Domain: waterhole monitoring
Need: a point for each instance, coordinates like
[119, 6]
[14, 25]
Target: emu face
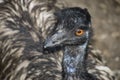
[72, 28]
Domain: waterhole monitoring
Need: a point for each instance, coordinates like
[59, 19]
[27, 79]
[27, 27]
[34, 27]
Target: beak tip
[47, 45]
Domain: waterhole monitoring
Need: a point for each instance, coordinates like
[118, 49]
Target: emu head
[72, 28]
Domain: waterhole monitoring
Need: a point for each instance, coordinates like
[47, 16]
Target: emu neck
[74, 62]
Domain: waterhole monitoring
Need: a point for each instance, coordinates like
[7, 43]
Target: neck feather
[74, 62]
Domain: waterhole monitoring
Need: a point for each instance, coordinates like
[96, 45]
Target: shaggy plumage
[23, 27]
[24, 24]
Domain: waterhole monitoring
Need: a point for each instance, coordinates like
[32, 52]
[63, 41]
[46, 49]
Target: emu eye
[79, 32]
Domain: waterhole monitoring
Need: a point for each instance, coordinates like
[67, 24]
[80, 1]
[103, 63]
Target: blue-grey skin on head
[74, 47]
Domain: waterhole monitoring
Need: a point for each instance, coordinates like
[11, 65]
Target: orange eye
[79, 32]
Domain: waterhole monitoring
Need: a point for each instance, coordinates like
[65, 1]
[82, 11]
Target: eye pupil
[79, 31]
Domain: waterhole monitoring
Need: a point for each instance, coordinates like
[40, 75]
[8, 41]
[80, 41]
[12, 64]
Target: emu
[72, 34]
[24, 25]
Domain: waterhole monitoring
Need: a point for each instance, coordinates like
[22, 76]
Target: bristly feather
[96, 65]
[23, 27]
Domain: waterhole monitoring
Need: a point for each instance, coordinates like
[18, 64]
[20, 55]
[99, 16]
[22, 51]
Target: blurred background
[106, 24]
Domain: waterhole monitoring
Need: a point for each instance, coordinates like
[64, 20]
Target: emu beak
[54, 40]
